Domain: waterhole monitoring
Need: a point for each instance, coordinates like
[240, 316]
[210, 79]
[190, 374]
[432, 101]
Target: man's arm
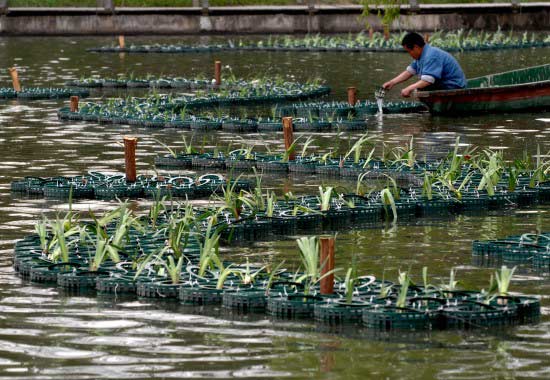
[405, 75]
[406, 92]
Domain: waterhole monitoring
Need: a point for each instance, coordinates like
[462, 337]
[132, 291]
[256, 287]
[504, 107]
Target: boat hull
[523, 98]
[521, 90]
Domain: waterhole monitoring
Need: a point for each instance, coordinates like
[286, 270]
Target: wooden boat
[512, 91]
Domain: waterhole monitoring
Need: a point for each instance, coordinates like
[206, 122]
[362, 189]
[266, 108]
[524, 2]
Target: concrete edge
[296, 9]
[268, 19]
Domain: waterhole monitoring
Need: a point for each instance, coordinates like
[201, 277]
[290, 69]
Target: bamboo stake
[74, 104]
[327, 262]
[288, 135]
[15, 79]
[130, 144]
[121, 42]
[352, 96]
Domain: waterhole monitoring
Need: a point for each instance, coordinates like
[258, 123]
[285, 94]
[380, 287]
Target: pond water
[45, 334]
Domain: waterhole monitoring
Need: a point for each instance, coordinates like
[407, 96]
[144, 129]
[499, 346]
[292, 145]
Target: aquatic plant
[325, 196]
[101, 251]
[451, 167]
[491, 166]
[232, 201]
[171, 151]
[368, 159]
[427, 185]
[385, 288]
[503, 278]
[306, 145]
[512, 175]
[404, 281]
[428, 287]
[179, 229]
[174, 268]
[357, 147]
[41, 229]
[111, 245]
[254, 199]
[156, 208]
[359, 187]
[350, 280]
[270, 204]
[273, 272]
[247, 275]
[209, 249]
[386, 196]
[60, 251]
[289, 151]
[125, 221]
[312, 267]
[540, 171]
[452, 285]
[165, 263]
[455, 190]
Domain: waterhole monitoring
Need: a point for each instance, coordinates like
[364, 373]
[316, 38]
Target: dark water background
[45, 334]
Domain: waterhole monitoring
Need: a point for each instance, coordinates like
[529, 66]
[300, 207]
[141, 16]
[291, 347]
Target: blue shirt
[438, 67]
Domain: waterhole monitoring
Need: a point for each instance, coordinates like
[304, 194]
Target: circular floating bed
[34, 93]
[103, 186]
[362, 42]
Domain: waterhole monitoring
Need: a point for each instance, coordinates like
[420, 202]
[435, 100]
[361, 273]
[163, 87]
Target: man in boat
[436, 69]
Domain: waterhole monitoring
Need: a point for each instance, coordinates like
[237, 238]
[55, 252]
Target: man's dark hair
[412, 39]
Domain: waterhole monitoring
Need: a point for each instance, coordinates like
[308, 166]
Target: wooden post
[288, 135]
[427, 37]
[121, 42]
[218, 72]
[327, 262]
[15, 79]
[130, 144]
[74, 104]
[352, 96]
[371, 33]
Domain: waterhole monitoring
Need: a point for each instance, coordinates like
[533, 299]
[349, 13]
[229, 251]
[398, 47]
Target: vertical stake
[371, 33]
[121, 42]
[15, 79]
[74, 104]
[327, 262]
[427, 37]
[218, 72]
[288, 135]
[352, 96]
[130, 144]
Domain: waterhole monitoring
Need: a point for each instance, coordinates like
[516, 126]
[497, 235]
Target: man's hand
[388, 85]
[406, 92]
